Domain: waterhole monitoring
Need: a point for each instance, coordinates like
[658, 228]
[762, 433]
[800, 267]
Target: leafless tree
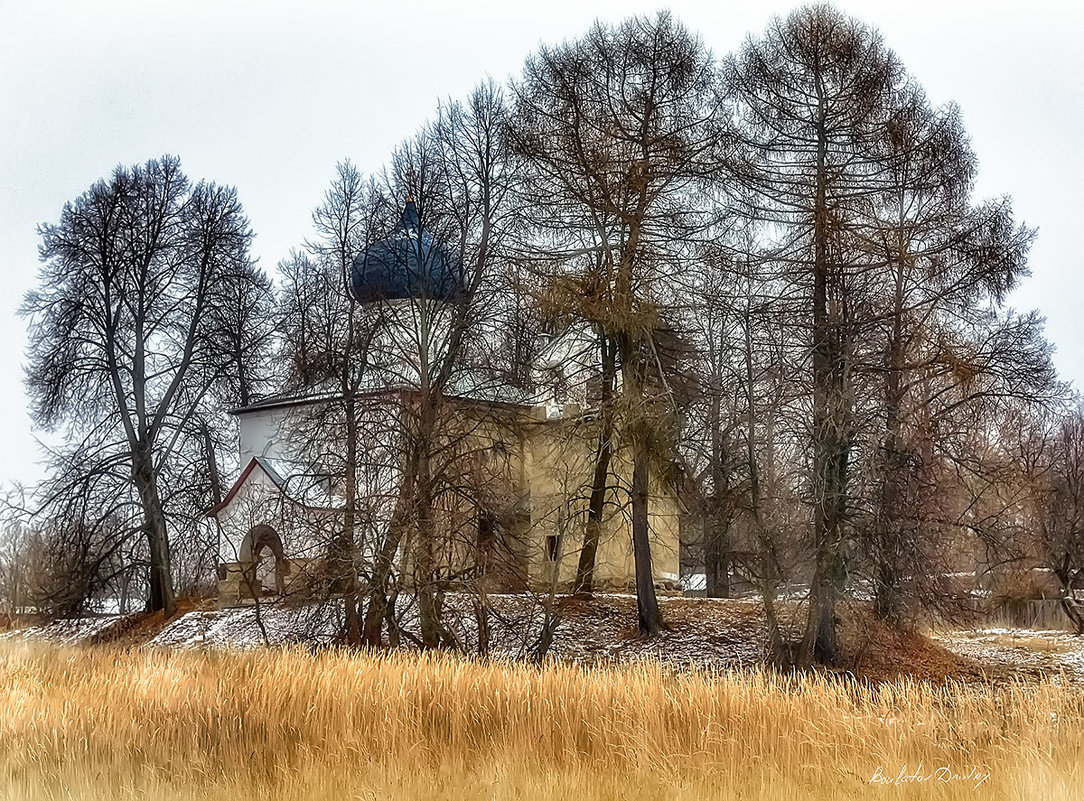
[411, 351]
[618, 130]
[862, 191]
[147, 314]
[812, 96]
[1052, 474]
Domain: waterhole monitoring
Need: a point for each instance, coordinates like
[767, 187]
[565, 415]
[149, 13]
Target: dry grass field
[104, 723]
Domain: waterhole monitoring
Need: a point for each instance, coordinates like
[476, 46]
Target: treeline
[783, 285]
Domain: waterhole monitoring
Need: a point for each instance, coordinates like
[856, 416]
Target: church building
[514, 466]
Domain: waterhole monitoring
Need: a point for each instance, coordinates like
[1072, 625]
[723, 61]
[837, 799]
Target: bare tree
[133, 329]
[812, 97]
[618, 129]
[409, 348]
[1053, 474]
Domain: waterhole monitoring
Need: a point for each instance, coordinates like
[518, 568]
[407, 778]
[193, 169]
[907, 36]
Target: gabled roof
[268, 468]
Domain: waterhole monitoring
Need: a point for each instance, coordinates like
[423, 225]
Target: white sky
[268, 96]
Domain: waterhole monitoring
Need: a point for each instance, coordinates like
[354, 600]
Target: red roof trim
[218, 507]
[253, 463]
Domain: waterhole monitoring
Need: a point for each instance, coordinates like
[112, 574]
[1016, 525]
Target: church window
[553, 547]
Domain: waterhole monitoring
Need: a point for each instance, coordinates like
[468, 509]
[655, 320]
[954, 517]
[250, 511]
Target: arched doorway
[264, 560]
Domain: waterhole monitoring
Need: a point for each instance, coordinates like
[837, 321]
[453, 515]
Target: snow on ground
[251, 627]
[702, 632]
[65, 632]
[1030, 651]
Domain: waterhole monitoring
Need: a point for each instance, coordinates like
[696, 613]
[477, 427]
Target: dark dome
[409, 264]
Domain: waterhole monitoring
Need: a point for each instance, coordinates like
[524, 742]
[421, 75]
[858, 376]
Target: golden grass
[116, 724]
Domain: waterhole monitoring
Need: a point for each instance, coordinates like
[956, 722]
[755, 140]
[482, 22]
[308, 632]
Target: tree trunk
[379, 607]
[378, 587]
[592, 531]
[641, 428]
[820, 642]
[716, 556]
[1073, 611]
[777, 651]
[716, 532]
[769, 567]
[829, 426]
[160, 580]
[1069, 604]
[585, 569]
[647, 604]
[212, 464]
[347, 571]
[425, 566]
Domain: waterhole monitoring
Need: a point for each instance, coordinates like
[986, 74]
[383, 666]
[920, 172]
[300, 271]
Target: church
[510, 469]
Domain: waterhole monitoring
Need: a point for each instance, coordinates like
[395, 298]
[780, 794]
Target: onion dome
[409, 264]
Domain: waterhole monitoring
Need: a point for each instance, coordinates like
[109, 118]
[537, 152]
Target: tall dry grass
[115, 724]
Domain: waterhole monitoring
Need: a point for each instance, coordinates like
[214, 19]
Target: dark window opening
[487, 529]
[487, 540]
[553, 546]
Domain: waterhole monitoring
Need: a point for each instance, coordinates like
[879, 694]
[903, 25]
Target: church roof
[408, 264]
[468, 384]
[307, 494]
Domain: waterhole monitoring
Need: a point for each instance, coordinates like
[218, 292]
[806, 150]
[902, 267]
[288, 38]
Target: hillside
[710, 633]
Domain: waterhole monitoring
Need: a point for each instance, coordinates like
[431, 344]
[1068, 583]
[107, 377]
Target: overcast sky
[269, 96]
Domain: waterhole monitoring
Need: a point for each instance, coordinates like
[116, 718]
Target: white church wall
[262, 433]
[304, 533]
[256, 501]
